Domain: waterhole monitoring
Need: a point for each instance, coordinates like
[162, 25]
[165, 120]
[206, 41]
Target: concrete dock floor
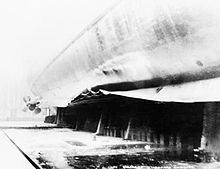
[67, 149]
[63, 148]
[10, 156]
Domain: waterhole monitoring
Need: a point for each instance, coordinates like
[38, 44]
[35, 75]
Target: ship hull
[157, 50]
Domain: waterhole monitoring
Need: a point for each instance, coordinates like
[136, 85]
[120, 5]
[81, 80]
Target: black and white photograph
[109, 84]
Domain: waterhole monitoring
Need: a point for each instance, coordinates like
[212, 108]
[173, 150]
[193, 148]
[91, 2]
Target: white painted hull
[165, 49]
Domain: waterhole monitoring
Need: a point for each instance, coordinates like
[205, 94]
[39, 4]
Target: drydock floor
[10, 156]
[62, 148]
